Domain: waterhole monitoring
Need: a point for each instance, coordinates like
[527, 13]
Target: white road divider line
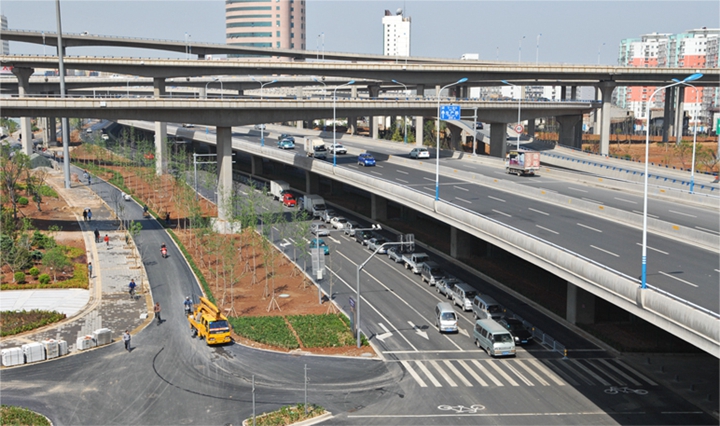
[654, 249]
[496, 198]
[463, 200]
[707, 230]
[418, 331]
[517, 373]
[487, 373]
[589, 227]
[590, 372]
[620, 372]
[592, 201]
[635, 372]
[649, 215]
[604, 251]
[547, 229]
[472, 373]
[376, 173]
[428, 189]
[429, 375]
[538, 365]
[682, 214]
[401, 180]
[334, 240]
[537, 377]
[625, 201]
[678, 279]
[608, 375]
[538, 211]
[427, 178]
[457, 373]
[502, 213]
[443, 373]
[403, 172]
[577, 189]
[414, 375]
[460, 188]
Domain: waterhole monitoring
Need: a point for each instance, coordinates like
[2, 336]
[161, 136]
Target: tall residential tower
[278, 24]
[396, 34]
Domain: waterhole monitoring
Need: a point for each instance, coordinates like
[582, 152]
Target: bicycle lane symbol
[461, 409]
[612, 390]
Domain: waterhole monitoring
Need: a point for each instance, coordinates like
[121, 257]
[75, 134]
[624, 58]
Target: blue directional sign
[449, 112]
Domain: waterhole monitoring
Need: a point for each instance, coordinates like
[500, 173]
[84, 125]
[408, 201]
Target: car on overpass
[420, 152]
[366, 159]
[286, 144]
[338, 149]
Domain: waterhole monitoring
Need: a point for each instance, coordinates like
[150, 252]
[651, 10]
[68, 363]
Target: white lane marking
[649, 215]
[590, 372]
[463, 200]
[682, 214]
[443, 374]
[427, 178]
[625, 201]
[717, 270]
[604, 251]
[538, 211]
[441, 351]
[517, 373]
[401, 180]
[577, 189]
[415, 375]
[496, 198]
[370, 305]
[293, 241]
[543, 414]
[457, 373]
[461, 188]
[376, 173]
[463, 332]
[429, 375]
[428, 189]
[548, 190]
[487, 373]
[494, 364]
[548, 229]
[418, 331]
[620, 372]
[589, 227]
[502, 213]
[707, 230]
[608, 375]
[385, 335]
[566, 366]
[654, 249]
[472, 373]
[403, 172]
[592, 201]
[635, 372]
[334, 240]
[678, 279]
[532, 373]
[538, 365]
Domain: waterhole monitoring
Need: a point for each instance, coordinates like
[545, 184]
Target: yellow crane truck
[207, 322]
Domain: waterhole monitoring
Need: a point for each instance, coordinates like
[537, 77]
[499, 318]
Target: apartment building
[396, 34]
[278, 24]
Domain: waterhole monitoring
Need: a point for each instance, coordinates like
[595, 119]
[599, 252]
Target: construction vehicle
[207, 322]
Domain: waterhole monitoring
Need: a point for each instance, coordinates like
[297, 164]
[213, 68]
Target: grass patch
[47, 191]
[322, 331]
[268, 330]
[287, 415]
[12, 322]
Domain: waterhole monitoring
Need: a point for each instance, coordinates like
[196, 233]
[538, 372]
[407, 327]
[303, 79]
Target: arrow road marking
[285, 243]
[385, 335]
[463, 332]
[418, 331]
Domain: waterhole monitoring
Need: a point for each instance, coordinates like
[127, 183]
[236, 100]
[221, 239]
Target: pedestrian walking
[126, 339]
[86, 175]
[131, 288]
[85, 215]
[89, 215]
[90, 275]
[107, 241]
[89, 181]
[97, 235]
[167, 218]
[157, 310]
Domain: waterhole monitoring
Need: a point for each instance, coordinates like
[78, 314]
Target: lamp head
[395, 81]
[676, 80]
[462, 80]
[274, 81]
[505, 82]
[351, 82]
[693, 77]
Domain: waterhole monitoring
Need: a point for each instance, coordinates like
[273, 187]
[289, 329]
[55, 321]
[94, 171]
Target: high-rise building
[5, 46]
[396, 34]
[279, 24]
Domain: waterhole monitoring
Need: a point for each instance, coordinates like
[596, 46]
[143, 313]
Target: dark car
[479, 126]
[521, 334]
[362, 237]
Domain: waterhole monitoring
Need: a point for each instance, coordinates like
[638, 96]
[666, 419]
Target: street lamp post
[692, 167]
[475, 132]
[520, 49]
[600, 47]
[404, 117]
[187, 46]
[335, 119]
[324, 85]
[537, 49]
[519, 109]
[262, 128]
[643, 277]
[437, 141]
[127, 86]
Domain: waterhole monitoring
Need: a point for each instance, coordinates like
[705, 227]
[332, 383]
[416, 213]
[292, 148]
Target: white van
[485, 307]
[495, 339]
[462, 295]
[445, 318]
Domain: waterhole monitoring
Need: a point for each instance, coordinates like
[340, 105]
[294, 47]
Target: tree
[134, 230]
[34, 180]
[15, 251]
[57, 261]
[13, 166]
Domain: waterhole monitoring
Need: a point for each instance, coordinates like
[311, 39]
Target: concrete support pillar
[353, 92]
[203, 93]
[256, 165]
[352, 124]
[437, 90]
[606, 90]
[598, 113]
[419, 130]
[563, 93]
[498, 136]
[23, 76]
[420, 90]
[241, 92]
[679, 114]
[300, 124]
[224, 159]
[378, 207]
[52, 130]
[312, 183]
[158, 87]
[573, 93]
[668, 113]
[373, 91]
[531, 128]
[568, 135]
[161, 154]
[459, 243]
[455, 138]
[580, 305]
[374, 127]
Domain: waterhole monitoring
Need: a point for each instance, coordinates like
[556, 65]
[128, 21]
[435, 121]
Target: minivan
[445, 318]
[493, 338]
[431, 272]
[462, 295]
[485, 307]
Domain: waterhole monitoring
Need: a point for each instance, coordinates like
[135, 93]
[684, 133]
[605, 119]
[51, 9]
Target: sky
[571, 31]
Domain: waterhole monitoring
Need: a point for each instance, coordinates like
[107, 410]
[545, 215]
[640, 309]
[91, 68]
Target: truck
[315, 147]
[314, 204]
[207, 322]
[277, 187]
[521, 162]
[414, 261]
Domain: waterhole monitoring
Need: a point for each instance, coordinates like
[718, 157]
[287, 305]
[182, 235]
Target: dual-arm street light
[692, 167]
[519, 107]
[335, 119]
[437, 155]
[404, 116]
[643, 277]
[262, 127]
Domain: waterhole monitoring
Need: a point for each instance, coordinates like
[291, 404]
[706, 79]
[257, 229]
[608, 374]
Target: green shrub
[44, 279]
[287, 415]
[34, 272]
[322, 331]
[11, 415]
[36, 255]
[20, 322]
[47, 191]
[23, 201]
[269, 330]
[20, 277]
[42, 241]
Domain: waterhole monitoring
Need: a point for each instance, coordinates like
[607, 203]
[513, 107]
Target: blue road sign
[449, 112]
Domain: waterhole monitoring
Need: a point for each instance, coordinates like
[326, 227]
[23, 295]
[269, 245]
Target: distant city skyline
[575, 32]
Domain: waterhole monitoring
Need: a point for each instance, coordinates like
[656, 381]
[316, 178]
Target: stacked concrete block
[12, 356]
[33, 352]
[102, 336]
[85, 342]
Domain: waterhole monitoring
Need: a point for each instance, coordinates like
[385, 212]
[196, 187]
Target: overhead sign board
[449, 112]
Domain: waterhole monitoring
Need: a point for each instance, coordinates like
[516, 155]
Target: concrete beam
[378, 207]
[668, 113]
[459, 243]
[312, 182]
[606, 90]
[23, 76]
[161, 155]
[580, 305]
[224, 159]
[498, 136]
[256, 165]
[419, 130]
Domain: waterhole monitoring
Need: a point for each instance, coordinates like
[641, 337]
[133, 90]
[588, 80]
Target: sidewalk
[106, 304]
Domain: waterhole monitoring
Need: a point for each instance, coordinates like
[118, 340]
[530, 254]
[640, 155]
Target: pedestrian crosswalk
[524, 372]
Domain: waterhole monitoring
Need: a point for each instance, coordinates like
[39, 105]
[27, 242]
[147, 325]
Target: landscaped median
[287, 415]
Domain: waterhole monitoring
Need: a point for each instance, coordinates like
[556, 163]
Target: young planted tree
[134, 230]
[16, 250]
[300, 230]
[57, 261]
[13, 167]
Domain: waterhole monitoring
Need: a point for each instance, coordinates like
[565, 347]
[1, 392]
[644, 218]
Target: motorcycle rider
[163, 250]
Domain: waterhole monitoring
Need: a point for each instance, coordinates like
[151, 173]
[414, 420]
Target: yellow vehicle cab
[209, 323]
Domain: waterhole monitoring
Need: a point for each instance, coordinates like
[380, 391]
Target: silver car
[374, 243]
[319, 229]
[350, 227]
[444, 285]
[338, 222]
[394, 254]
[328, 214]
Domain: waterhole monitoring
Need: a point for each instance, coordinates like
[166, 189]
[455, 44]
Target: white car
[420, 152]
[126, 197]
[319, 229]
[338, 222]
[337, 149]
